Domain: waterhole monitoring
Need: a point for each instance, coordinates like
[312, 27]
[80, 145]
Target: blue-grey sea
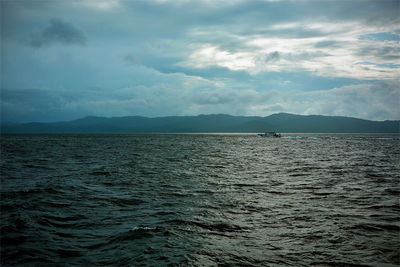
[200, 200]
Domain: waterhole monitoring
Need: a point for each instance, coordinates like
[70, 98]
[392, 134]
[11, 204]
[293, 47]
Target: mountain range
[215, 123]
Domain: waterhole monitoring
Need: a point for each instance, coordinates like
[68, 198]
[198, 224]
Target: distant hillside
[282, 122]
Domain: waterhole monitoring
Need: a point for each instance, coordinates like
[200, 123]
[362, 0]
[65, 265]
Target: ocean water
[200, 200]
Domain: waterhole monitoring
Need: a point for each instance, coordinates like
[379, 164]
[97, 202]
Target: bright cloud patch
[208, 56]
[335, 53]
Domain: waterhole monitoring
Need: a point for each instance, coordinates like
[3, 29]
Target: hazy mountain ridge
[281, 122]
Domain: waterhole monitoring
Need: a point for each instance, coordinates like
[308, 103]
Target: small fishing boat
[270, 135]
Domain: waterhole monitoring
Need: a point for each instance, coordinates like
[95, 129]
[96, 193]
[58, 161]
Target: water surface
[325, 200]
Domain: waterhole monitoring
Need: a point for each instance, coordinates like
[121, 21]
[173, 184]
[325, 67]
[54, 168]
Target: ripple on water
[310, 200]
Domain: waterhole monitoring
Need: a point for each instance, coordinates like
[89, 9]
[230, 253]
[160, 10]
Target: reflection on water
[200, 200]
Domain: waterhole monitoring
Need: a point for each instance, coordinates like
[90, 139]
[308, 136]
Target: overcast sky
[62, 60]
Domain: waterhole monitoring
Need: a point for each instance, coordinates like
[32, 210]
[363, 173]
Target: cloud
[229, 97]
[376, 101]
[210, 55]
[26, 105]
[179, 94]
[100, 5]
[335, 52]
[165, 57]
[131, 59]
[58, 32]
[387, 52]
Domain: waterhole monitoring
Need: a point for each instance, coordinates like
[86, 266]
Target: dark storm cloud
[58, 32]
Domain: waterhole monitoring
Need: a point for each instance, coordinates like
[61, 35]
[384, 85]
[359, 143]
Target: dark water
[157, 200]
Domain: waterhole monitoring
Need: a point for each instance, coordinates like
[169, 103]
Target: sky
[66, 59]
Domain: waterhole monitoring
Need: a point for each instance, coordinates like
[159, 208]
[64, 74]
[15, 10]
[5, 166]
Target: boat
[270, 135]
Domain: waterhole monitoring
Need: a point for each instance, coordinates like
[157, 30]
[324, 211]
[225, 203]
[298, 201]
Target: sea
[200, 200]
